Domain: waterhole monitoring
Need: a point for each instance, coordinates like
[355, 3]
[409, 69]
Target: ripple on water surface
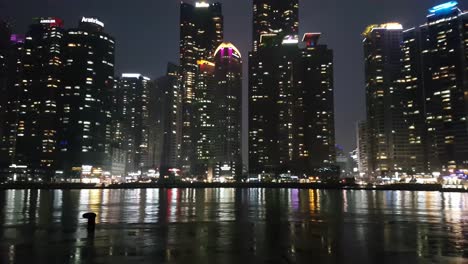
[233, 226]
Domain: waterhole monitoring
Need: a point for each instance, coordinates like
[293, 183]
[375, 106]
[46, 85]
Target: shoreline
[315, 186]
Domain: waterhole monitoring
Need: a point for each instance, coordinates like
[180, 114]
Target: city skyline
[140, 56]
[227, 131]
[416, 95]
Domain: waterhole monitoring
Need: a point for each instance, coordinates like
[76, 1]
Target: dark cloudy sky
[147, 35]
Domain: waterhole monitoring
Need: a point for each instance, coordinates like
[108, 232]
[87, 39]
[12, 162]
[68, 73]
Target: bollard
[91, 221]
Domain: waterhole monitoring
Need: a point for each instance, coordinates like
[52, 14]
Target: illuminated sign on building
[202, 4]
[92, 20]
[51, 21]
[387, 26]
[291, 39]
[311, 39]
[47, 21]
[443, 7]
[135, 75]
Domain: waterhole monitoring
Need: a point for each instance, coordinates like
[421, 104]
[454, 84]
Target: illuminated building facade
[291, 116]
[201, 32]
[39, 83]
[5, 47]
[85, 100]
[273, 16]
[9, 101]
[166, 113]
[291, 106]
[417, 95]
[132, 115]
[275, 38]
[204, 119]
[363, 149]
[228, 112]
[383, 57]
[444, 58]
[411, 146]
[313, 107]
[264, 67]
[5, 35]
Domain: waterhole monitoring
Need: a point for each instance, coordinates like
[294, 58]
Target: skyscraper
[416, 95]
[275, 39]
[363, 149]
[40, 81]
[14, 56]
[313, 101]
[411, 147]
[204, 121]
[274, 16]
[132, 93]
[166, 113]
[228, 111]
[270, 105]
[4, 100]
[85, 100]
[291, 115]
[383, 58]
[444, 58]
[201, 33]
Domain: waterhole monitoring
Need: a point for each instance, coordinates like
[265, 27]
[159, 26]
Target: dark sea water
[233, 226]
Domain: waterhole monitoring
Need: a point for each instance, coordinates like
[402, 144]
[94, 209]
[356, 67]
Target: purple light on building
[17, 38]
[222, 53]
[230, 52]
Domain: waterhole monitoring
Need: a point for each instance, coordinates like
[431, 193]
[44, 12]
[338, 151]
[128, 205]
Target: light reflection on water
[233, 225]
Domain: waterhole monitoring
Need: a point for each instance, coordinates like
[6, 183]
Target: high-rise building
[132, 116]
[204, 121]
[273, 16]
[275, 29]
[270, 87]
[166, 121]
[291, 116]
[5, 34]
[444, 60]
[39, 83]
[383, 60]
[363, 149]
[14, 56]
[411, 147]
[201, 33]
[85, 100]
[314, 117]
[291, 107]
[5, 49]
[416, 95]
[228, 112]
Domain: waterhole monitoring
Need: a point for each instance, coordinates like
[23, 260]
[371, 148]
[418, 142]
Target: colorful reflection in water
[233, 225]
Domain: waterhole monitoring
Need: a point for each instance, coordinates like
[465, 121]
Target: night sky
[147, 35]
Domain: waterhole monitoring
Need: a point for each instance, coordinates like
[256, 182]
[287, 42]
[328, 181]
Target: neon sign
[443, 7]
[47, 21]
[92, 20]
[202, 4]
[291, 39]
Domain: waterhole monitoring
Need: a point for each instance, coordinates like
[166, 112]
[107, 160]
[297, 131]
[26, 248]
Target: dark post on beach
[91, 221]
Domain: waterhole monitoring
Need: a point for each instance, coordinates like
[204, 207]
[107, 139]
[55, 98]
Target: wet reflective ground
[233, 226]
